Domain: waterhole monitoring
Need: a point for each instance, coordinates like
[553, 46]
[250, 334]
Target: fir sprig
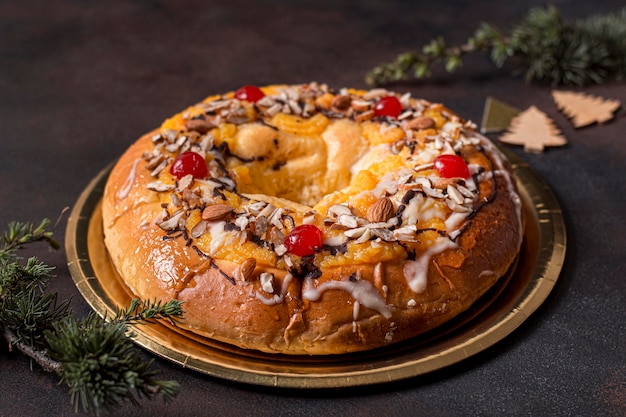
[100, 367]
[545, 46]
[20, 234]
[139, 312]
[28, 315]
[93, 356]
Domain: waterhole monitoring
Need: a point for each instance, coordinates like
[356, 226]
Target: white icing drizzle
[355, 315]
[277, 298]
[421, 208]
[361, 290]
[455, 220]
[128, 184]
[486, 273]
[416, 272]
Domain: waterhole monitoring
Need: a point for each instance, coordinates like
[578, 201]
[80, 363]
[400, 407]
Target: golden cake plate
[489, 320]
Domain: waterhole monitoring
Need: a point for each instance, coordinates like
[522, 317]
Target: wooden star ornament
[533, 129]
[585, 109]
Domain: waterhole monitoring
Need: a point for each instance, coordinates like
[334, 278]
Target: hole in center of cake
[297, 167]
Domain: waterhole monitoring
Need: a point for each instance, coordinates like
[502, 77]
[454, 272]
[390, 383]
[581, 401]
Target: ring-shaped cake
[298, 219]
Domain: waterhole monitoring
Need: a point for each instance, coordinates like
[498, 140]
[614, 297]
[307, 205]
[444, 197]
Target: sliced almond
[361, 105]
[216, 211]
[454, 194]
[381, 211]
[337, 210]
[160, 186]
[443, 183]
[267, 282]
[199, 229]
[155, 161]
[185, 182]
[173, 221]
[367, 115]
[348, 221]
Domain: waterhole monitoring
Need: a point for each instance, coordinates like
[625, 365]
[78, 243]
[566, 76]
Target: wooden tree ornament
[585, 109]
[533, 129]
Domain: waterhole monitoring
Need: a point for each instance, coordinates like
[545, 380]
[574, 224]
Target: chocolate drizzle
[335, 249]
[307, 269]
[213, 264]
[222, 273]
[257, 228]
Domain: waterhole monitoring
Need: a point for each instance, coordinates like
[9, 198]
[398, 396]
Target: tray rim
[550, 258]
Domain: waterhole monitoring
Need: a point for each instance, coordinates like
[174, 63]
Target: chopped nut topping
[173, 221]
[392, 217]
[159, 186]
[454, 194]
[348, 221]
[267, 282]
[199, 229]
[443, 183]
[367, 115]
[338, 209]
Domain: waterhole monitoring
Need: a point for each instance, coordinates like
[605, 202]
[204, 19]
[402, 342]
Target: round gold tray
[493, 317]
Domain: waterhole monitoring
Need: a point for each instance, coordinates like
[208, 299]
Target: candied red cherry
[388, 106]
[451, 166]
[189, 163]
[249, 93]
[304, 240]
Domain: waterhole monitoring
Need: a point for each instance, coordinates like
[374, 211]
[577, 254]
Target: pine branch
[38, 356]
[20, 234]
[141, 312]
[100, 367]
[547, 47]
[16, 278]
[29, 314]
[94, 357]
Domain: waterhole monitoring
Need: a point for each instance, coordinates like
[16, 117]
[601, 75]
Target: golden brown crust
[349, 307]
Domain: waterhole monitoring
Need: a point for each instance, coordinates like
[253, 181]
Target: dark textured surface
[80, 80]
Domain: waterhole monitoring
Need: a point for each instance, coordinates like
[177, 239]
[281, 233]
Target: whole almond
[246, 268]
[421, 122]
[216, 211]
[341, 102]
[381, 211]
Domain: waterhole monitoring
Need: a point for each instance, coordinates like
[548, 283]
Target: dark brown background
[80, 80]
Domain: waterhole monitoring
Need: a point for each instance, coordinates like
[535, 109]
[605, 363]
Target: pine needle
[546, 47]
[93, 357]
